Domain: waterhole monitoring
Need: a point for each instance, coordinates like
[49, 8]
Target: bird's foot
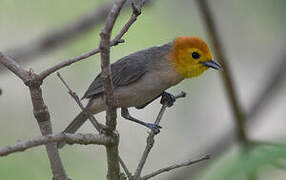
[168, 99]
[154, 127]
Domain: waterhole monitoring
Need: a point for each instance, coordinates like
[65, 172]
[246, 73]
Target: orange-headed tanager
[143, 76]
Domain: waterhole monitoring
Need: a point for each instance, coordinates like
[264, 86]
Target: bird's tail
[74, 126]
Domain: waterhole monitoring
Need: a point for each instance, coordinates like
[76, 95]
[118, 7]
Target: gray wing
[129, 69]
[124, 71]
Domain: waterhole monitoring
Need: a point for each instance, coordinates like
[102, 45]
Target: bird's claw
[167, 99]
[154, 127]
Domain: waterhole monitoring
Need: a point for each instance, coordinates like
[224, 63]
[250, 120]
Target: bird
[141, 77]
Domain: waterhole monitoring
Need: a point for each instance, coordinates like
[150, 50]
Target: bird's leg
[154, 127]
[167, 98]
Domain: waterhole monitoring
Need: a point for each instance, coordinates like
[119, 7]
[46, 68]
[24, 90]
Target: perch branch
[150, 139]
[70, 139]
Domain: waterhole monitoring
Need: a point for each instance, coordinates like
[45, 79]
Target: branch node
[33, 79]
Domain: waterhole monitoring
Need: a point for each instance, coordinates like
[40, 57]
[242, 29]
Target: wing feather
[129, 69]
[124, 72]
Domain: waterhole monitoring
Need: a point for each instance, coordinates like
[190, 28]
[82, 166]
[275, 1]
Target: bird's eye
[196, 55]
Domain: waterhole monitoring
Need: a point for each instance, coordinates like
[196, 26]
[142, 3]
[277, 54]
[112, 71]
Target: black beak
[213, 64]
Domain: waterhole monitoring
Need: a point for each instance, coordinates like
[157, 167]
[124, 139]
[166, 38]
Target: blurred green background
[254, 36]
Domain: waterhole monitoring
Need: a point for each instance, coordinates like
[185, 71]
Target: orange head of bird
[191, 56]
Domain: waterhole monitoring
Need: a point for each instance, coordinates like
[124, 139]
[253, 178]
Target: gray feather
[129, 69]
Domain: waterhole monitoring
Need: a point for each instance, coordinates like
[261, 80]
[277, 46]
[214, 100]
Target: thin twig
[150, 139]
[67, 62]
[99, 127]
[118, 39]
[123, 165]
[84, 139]
[175, 166]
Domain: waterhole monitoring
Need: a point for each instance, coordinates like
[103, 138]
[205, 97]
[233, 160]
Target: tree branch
[118, 39]
[70, 139]
[175, 166]
[112, 151]
[150, 139]
[42, 115]
[40, 111]
[12, 65]
[135, 13]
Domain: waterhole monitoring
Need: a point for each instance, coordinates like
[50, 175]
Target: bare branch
[175, 166]
[112, 151]
[136, 12]
[127, 172]
[114, 42]
[40, 111]
[34, 81]
[70, 139]
[12, 65]
[42, 115]
[150, 139]
[92, 119]
[67, 62]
